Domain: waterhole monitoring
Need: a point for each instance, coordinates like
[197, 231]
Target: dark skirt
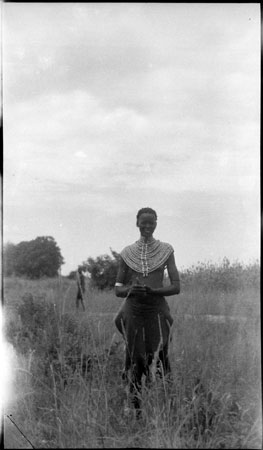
[145, 324]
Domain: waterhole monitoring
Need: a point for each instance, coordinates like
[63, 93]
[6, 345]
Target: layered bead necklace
[146, 256]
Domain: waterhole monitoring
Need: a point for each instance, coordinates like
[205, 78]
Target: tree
[103, 270]
[9, 257]
[37, 258]
[72, 275]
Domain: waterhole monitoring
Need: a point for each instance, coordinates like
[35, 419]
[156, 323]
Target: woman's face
[147, 224]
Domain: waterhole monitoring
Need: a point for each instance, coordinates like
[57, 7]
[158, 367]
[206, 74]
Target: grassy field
[67, 390]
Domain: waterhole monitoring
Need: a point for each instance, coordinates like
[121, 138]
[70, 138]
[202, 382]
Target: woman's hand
[149, 290]
[142, 290]
[138, 289]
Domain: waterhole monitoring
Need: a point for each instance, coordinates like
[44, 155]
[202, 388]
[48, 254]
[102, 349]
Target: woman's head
[146, 221]
[146, 210]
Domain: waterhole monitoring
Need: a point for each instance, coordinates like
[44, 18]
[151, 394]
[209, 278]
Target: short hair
[147, 211]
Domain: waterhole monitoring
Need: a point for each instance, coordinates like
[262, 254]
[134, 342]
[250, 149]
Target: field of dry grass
[67, 390]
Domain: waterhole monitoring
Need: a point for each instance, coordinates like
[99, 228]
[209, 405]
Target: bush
[224, 277]
[103, 270]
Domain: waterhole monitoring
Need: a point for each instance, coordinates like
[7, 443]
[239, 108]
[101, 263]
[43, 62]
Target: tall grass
[68, 391]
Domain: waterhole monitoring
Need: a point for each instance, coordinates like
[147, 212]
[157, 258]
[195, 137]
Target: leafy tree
[72, 275]
[9, 257]
[37, 258]
[103, 270]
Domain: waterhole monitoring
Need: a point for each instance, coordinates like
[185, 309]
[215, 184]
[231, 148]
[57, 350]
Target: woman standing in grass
[144, 319]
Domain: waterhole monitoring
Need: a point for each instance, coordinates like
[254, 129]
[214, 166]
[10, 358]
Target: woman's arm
[174, 287]
[120, 289]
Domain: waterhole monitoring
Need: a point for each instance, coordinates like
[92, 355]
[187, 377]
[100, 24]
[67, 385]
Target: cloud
[80, 154]
[74, 138]
[111, 49]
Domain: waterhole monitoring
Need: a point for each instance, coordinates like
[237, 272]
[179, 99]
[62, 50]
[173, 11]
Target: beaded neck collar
[146, 256]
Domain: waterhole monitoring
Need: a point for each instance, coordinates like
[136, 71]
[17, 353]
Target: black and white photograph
[131, 225]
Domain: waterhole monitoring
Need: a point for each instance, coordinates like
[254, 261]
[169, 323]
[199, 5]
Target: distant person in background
[81, 288]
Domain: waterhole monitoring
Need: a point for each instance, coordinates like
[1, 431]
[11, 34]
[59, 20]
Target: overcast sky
[111, 107]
